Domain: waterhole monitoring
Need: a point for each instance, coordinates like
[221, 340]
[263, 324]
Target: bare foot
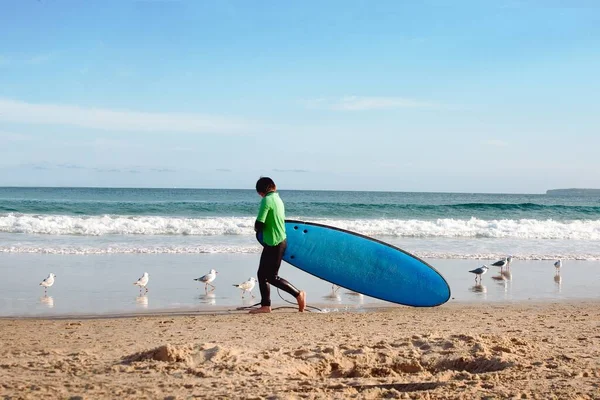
[301, 301]
[261, 310]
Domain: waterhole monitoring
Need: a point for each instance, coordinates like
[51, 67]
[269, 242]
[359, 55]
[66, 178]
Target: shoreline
[458, 351]
[102, 285]
[319, 308]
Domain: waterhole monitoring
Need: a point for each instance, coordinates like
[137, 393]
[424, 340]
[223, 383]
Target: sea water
[103, 239]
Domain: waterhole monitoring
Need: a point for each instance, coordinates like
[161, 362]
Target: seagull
[142, 282]
[207, 279]
[479, 271]
[49, 281]
[246, 286]
[558, 266]
[505, 262]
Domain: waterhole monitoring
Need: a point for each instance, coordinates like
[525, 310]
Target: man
[270, 232]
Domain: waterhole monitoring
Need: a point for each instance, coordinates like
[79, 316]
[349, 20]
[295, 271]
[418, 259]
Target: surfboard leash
[287, 301]
[281, 307]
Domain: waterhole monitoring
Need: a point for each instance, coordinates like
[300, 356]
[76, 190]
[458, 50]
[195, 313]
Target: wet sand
[456, 351]
[103, 284]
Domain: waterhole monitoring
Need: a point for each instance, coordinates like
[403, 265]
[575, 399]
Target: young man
[270, 232]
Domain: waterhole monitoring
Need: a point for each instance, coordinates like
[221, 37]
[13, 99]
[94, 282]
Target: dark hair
[265, 185]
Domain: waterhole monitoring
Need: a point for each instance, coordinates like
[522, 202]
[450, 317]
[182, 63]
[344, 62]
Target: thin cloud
[35, 59]
[157, 1]
[70, 166]
[48, 166]
[107, 170]
[297, 171]
[36, 166]
[162, 170]
[30, 165]
[495, 143]
[365, 103]
[223, 170]
[117, 120]
[128, 169]
[39, 59]
[116, 170]
[124, 72]
[13, 137]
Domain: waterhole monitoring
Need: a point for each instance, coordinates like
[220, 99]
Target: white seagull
[558, 266]
[142, 282]
[505, 262]
[247, 286]
[49, 281]
[207, 279]
[479, 271]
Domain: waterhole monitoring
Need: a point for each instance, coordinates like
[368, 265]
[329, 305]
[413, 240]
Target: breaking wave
[243, 226]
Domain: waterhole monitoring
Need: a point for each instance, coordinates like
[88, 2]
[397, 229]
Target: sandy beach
[462, 351]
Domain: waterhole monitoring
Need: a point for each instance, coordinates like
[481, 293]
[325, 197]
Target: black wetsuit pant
[270, 261]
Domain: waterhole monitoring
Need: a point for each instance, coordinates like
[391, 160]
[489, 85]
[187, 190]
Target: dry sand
[548, 350]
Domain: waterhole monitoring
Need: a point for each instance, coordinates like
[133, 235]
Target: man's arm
[259, 224]
[258, 228]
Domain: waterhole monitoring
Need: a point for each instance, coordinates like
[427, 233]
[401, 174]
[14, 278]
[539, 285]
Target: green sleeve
[263, 210]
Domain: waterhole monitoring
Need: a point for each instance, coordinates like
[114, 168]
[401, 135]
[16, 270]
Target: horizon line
[250, 188]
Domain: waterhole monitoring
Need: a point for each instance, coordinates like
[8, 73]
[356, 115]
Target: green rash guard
[272, 213]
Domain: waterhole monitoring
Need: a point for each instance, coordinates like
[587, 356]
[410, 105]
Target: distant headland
[567, 192]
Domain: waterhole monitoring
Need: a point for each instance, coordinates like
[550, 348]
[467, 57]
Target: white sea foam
[475, 228]
[243, 226]
[129, 249]
[123, 225]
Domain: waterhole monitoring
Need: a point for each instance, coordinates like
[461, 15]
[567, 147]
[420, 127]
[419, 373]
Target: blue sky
[463, 96]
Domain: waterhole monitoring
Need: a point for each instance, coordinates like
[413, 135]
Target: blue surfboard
[364, 265]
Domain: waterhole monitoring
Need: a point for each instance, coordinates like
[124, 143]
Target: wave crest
[244, 226]
[122, 225]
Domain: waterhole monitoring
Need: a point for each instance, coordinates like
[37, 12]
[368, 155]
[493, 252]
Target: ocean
[98, 241]
[440, 225]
